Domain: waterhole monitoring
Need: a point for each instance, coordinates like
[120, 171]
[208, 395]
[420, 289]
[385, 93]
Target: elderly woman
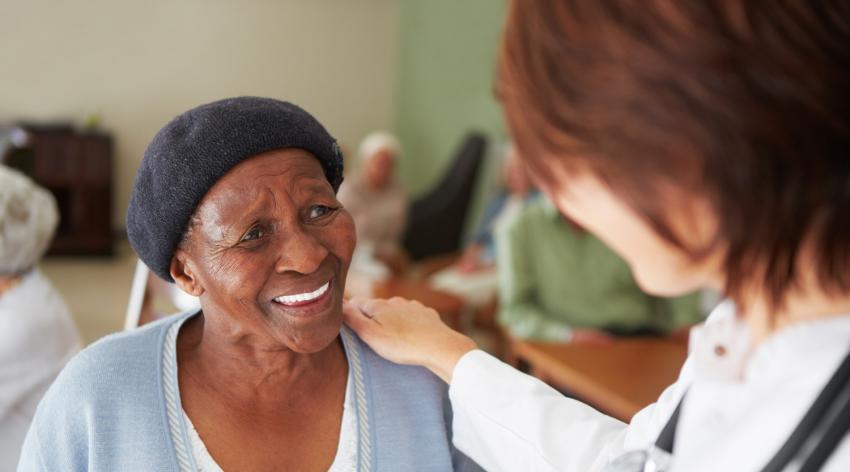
[378, 203]
[235, 202]
[37, 335]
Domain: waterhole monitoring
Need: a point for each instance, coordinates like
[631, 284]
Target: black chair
[436, 220]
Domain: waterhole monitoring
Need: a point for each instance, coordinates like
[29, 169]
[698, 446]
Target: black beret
[193, 151]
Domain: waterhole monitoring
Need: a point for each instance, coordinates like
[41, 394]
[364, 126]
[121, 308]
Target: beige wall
[139, 63]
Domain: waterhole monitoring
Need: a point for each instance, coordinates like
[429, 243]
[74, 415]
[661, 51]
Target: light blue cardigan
[116, 407]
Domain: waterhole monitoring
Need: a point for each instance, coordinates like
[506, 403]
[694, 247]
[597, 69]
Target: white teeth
[303, 297]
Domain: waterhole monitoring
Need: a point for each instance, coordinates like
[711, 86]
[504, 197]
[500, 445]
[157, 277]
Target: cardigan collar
[178, 428]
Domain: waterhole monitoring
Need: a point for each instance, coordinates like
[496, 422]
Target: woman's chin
[315, 341]
[664, 284]
[312, 335]
[309, 328]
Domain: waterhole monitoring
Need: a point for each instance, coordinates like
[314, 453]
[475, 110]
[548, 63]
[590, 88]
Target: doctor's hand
[591, 336]
[407, 332]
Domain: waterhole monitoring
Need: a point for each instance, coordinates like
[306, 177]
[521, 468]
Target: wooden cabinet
[77, 169]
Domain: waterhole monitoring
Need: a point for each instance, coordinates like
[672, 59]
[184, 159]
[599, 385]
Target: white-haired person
[378, 204]
[11, 137]
[37, 335]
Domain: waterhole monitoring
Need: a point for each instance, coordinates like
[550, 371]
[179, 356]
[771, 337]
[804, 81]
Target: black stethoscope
[806, 450]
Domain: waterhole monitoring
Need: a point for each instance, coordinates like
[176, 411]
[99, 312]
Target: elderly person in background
[558, 282]
[235, 202]
[517, 190]
[378, 204]
[473, 277]
[11, 137]
[37, 335]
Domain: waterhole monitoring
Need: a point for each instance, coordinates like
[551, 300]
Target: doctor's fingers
[395, 307]
[355, 318]
[367, 307]
[403, 309]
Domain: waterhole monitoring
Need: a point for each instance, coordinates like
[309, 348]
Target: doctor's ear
[183, 274]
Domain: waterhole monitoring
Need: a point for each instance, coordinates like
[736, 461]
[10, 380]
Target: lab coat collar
[723, 351]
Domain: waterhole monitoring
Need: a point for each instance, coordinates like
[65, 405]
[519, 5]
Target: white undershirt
[346, 452]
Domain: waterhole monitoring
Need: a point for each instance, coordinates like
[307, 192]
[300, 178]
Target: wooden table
[620, 379]
[450, 307]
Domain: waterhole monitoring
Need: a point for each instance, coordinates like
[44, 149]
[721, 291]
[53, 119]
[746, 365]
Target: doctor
[708, 143]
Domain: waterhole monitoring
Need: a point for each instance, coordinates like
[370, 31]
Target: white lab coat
[739, 410]
[37, 337]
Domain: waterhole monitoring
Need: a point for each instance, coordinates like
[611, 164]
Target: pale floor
[95, 289]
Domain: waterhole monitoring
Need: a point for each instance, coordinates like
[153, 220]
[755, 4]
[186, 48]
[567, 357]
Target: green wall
[446, 65]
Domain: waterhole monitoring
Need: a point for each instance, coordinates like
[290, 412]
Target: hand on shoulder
[407, 332]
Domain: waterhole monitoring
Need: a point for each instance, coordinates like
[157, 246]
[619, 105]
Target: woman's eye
[319, 211]
[253, 234]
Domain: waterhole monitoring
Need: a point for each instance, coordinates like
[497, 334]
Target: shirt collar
[722, 347]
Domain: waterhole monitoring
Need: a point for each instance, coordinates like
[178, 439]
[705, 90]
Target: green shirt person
[558, 282]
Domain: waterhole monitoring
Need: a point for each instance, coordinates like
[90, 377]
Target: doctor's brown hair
[746, 103]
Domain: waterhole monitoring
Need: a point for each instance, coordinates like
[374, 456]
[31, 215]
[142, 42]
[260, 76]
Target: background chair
[436, 220]
[151, 298]
[138, 294]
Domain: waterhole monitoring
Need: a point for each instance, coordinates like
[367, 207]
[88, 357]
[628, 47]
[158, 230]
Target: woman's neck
[798, 307]
[244, 374]
[805, 300]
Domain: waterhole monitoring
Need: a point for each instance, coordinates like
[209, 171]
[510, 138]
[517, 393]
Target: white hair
[379, 141]
[28, 219]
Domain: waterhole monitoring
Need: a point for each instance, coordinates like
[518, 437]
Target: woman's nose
[300, 252]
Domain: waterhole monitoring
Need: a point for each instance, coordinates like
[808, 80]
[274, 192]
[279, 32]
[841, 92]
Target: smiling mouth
[301, 299]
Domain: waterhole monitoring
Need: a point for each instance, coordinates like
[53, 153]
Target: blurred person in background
[558, 282]
[517, 190]
[11, 137]
[473, 277]
[379, 204]
[37, 334]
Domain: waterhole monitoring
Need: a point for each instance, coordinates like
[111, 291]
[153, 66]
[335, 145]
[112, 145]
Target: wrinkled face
[269, 251]
[378, 169]
[658, 267]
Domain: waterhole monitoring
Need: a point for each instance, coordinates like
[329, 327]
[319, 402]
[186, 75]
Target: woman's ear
[183, 275]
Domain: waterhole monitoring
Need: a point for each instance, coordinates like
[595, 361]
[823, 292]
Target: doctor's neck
[806, 300]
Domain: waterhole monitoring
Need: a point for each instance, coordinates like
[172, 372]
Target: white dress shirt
[741, 405]
[37, 337]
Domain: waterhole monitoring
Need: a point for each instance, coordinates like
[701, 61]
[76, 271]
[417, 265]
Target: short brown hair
[746, 103]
